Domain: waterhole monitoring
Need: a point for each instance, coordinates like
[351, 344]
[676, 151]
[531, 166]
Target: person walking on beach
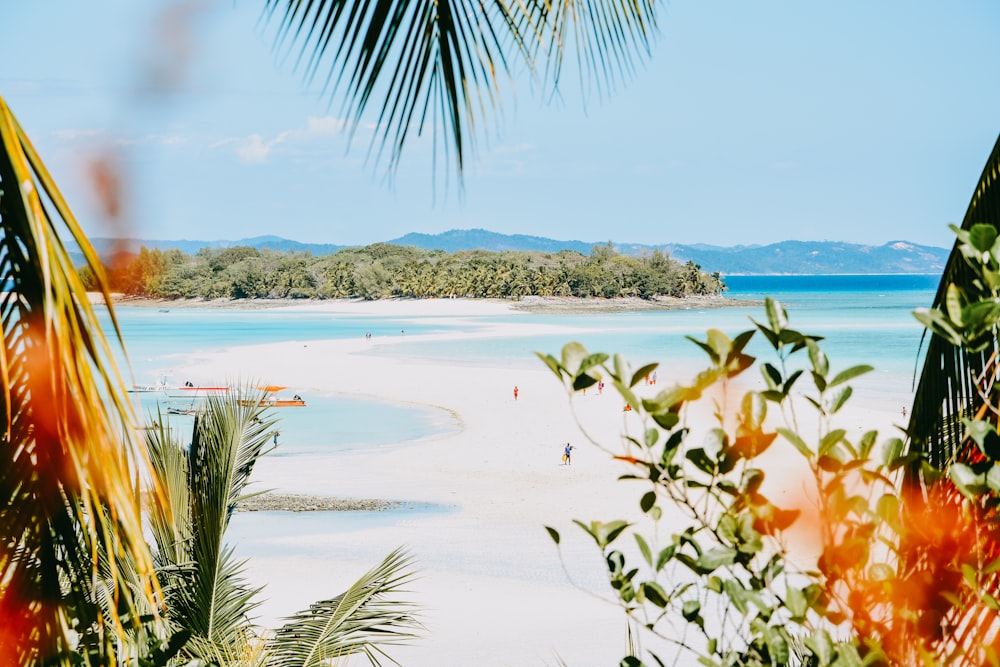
[515, 392]
[567, 453]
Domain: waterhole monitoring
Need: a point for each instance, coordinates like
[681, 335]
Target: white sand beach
[491, 584]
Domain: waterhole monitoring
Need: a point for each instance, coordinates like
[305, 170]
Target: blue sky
[752, 122]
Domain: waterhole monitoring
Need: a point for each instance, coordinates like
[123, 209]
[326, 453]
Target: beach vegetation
[384, 270]
[68, 517]
[889, 555]
[206, 596]
[860, 564]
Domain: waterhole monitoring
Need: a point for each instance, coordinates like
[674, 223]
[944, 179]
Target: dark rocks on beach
[288, 502]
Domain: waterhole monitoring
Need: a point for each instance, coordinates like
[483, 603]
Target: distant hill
[105, 245]
[816, 257]
[786, 257]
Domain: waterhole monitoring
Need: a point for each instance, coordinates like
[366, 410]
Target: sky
[751, 122]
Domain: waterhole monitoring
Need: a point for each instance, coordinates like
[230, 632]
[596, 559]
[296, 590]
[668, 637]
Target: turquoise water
[864, 319]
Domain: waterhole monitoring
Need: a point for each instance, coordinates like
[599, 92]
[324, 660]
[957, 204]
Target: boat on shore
[190, 390]
[271, 399]
[187, 391]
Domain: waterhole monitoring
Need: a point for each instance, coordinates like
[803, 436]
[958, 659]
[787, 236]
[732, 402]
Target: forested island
[384, 270]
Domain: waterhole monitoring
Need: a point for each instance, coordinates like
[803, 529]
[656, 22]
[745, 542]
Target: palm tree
[436, 62]
[65, 477]
[206, 595]
[948, 389]
[958, 384]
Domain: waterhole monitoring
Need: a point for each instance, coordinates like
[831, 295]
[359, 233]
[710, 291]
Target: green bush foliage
[901, 569]
[383, 270]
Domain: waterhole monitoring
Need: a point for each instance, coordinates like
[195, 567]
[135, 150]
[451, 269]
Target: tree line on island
[384, 270]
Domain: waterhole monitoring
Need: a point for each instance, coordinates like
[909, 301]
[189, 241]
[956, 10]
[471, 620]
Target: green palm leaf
[437, 61]
[65, 479]
[207, 594]
[362, 619]
[947, 390]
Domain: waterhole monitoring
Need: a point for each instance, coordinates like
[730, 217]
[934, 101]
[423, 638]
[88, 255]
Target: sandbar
[492, 585]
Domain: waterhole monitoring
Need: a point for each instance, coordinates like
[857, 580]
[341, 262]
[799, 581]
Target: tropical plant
[947, 389]
[65, 474]
[438, 63]
[206, 595]
[385, 270]
[901, 575]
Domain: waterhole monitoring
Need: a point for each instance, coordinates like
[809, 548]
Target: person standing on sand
[515, 392]
[567, 453]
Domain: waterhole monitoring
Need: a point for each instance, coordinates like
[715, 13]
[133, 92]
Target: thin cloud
[324, 126]
[77, 134]
[255, 150]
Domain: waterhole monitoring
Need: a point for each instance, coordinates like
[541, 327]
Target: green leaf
[777, 645]
[552, 363]
[572, 354]
[797, 442]
[715, 558]
[796, 603]
[583, 381]
[665, 556]
[647, 501]
[850, 374]
[887, 509]
[655, 593]
[772, 336]
[595, 359]
[701, 461]
[985, 436]
[642, 373]
[967, 480]
[610, 531]
[553, 533]
[647, 555]
[776, 315]
[715, 443]
[982, 237]
[821, 645]
[820, 364]
[754, 409]
[953, 304]
[839, 399]
[690, 610]
[892, 450]
[830, 441]
[866, 444]
[771, 375]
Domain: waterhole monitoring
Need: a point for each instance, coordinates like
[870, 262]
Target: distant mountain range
[786, 257]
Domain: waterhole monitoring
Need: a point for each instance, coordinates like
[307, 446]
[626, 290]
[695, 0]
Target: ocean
[864, 319]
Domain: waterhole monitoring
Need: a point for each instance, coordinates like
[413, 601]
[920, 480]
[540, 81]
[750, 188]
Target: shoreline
[500, 475]
[527, 304]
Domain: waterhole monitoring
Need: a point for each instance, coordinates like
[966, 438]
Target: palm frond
[437, 61]
[947, 389]
[63, 405]
[362, 619]
[169, 515]
[212, 598]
